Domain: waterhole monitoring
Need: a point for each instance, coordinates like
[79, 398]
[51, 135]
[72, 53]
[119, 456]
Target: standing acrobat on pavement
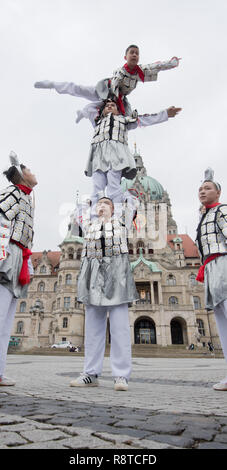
[106, 284]
[16, 234]
[212, 244]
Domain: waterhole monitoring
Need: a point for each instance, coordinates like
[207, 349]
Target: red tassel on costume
[24, 277]
[200, 275]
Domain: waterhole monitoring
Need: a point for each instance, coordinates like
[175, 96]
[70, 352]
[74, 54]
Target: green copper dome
[148, 183]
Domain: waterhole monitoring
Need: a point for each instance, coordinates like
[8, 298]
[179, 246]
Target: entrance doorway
[178, 331]
[145, 331]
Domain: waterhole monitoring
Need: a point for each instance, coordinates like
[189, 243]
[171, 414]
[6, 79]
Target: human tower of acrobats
[105, 282]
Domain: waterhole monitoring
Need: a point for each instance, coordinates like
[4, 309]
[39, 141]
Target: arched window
[20, 327]
[43, 269]
[68, 279]
[197, 303]
[54, 305]
[70, 253]
[171, 280]
[130, 249]
[201, 328]
[78, 255]
[173, 300]
[41, 287]
[55, 286]
[22, 307]
[192, 280]
[60, 280]
[65, 322]
[139, 245]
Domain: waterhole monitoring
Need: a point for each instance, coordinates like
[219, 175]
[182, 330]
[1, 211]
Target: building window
[22, 307]
[70, 253]
[20, 327]
[54, 305]
[138, 246]
[173, 300]
[197, 303]
[43, 269]
[192, 280]
[67, 303]
[201, 328]
[68, 279]
[171, 280]
[130, 249]
[78, 255]
[65, 322]
[60, 280]
[58, 303]
[55, 286]
[41, 287]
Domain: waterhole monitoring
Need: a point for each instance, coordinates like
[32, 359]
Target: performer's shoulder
[10, 190]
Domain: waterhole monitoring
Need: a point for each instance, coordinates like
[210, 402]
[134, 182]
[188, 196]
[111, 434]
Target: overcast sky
[84, 41]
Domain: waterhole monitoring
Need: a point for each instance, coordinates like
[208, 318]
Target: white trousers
[8, 304]
[95, 339]
[221, 319]
[111, 180]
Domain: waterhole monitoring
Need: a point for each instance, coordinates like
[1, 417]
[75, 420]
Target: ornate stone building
[171, 306]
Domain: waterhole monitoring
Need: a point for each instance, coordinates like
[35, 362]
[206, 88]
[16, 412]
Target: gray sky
[84, 41]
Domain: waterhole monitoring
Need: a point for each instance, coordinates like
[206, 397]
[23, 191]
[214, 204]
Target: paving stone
[178, 441]
[221, 438]
[38, 435]
[197, 433]
[11, 439]
[211, 445]
[6, 419]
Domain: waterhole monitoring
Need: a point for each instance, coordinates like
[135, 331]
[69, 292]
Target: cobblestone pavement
[170, 404]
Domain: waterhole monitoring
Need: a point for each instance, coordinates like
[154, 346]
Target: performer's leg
[120, 352]
[221, 319]
[99, 180]
[114, 190]
[7, 312]
[95, 339]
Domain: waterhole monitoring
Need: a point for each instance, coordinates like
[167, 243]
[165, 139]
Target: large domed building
[170, 309]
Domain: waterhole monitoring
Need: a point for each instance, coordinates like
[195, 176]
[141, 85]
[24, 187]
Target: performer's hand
[172, 111]
[175, 61]
[44, 84]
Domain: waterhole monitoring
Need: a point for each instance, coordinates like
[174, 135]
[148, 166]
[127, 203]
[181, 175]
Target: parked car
[62, 345]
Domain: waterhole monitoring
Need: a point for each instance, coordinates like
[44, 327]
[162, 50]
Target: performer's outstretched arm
[151, 70]
[151, 119]
[70, 88]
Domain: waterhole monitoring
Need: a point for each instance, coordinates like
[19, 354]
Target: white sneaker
[4, 382]
[121, 384]
[85, 380]
[221, 385]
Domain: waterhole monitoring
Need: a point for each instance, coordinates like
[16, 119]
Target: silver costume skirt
[111, 155]
[106, 282]
[10, 270]
[215, 281]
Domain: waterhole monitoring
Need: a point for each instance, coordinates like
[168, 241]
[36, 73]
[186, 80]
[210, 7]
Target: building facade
[171, 305]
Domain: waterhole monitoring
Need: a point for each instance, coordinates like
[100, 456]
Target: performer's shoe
[4, 382]
[120, 384]
[222, 386]
[85, 380]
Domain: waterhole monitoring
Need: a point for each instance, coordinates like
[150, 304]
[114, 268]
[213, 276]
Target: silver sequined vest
[212, 232]
[17, 207]
[112, 127]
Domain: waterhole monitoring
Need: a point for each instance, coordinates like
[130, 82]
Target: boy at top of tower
[123, 81]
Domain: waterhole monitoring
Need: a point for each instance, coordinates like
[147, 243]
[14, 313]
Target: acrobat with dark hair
[123, 81]
[16, 234]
